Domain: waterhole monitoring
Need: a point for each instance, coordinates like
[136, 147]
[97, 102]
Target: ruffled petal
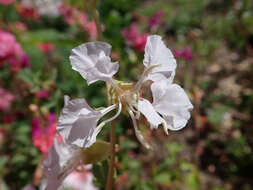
[70, 114]
[172, 103]
[78, 122]
[146, 108]
[157, 53]
[61, 160]
[82, 132]
[92, 61]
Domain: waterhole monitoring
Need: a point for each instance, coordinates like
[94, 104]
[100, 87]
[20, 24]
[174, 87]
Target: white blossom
[62, 160]
[78, 123]
[92, 61]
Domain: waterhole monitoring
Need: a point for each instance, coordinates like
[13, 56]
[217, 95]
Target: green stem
[97, 20]
[109, 183]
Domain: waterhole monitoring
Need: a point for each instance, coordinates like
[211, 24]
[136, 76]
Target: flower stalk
[109, 183]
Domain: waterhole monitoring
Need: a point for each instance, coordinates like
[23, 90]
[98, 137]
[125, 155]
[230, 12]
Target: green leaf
[98, 152]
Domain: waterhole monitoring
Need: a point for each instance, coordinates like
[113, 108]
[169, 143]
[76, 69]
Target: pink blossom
[6, 98]
[73, 16]
[140, 42]
[67, 13]
[155, 20]
[80, 180]
[11, 51]
[92, 29]
[134, 38]
[46, 47]
[130, 34]
[43, 132]
[42, 94]
[19, 62]
[28, 12]
[6, 2]
[7, 44]
[186, 53]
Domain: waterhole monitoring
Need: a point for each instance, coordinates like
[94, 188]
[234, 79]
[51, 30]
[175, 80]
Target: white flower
[157, 53]
[62, 160]
[45, 7]
[78, 122]
[92, 61]
[171, 102]
[170, 108]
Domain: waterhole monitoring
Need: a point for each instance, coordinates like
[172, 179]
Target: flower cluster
[11, 51]
[43, 132]
[134, 38]
[186, 53]
[78, 122]
[73, 16]
[6, 2]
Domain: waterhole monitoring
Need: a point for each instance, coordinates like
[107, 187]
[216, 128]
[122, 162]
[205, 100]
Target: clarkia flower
[78, 123]
[134, 38]
[6, 2]
[43, 132]
[186, 53]
[61, 161]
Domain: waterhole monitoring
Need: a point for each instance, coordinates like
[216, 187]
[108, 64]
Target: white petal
[78, 122]
[172, 103]
[61, 161]
[146, 108]
[157, 53]
[70, 113]
[92, 61]
[81, 134]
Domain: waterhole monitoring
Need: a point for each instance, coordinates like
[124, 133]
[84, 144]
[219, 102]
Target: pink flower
[6, 2]
[140, 42]
[26, 11]
[92, 29]
[73, 16]
[7, 44]
[11, 50]
[130, 34]
[134, 38]
[19, 62]
[155, 20]
[186, 53]
[42, 94]
[43, 132]
[6, 98]
[46, 47]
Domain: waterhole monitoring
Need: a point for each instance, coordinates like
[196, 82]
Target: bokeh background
[213, 43]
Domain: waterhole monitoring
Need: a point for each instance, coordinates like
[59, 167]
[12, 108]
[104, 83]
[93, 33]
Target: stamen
[137, 131]
[143, 76]
[115, 86]
[108, 109]
[165, 128]
[102, 124]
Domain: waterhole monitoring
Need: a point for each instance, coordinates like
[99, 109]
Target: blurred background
[213, 43]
